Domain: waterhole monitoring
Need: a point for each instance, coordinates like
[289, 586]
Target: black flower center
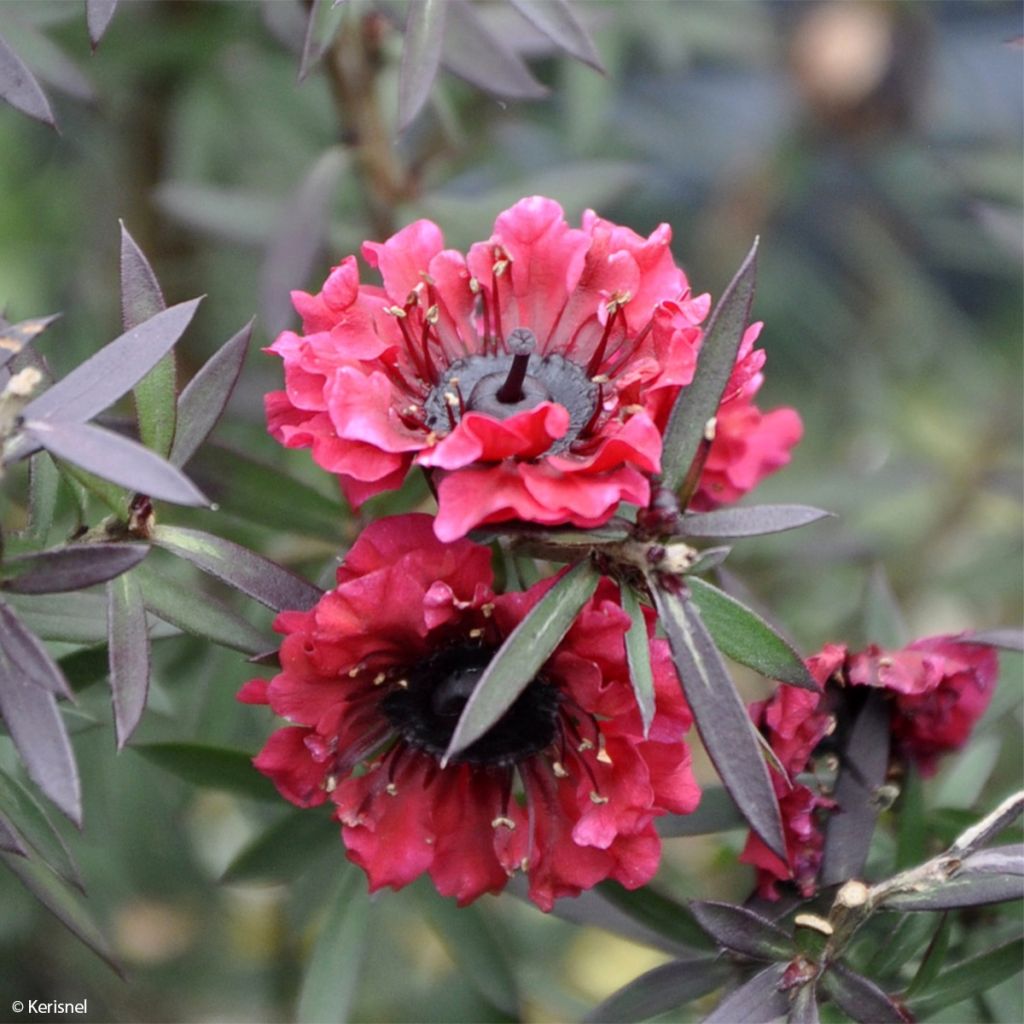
[503, 385]
[426, 711]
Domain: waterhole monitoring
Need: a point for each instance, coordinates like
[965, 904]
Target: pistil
[521, 343]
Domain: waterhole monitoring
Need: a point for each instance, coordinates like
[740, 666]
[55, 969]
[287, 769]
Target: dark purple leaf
[708, 559]
[213, 767]
[298, 238]
[863, 764]
[71, 568]
[805, 1006]
[664, 988]
[716, 813]
[260, 578]
[697, 403]
[50, 65]
[474, 53]
[988, 876]
[752, 521]
[97, 15]
[10, 841]
[421, 56]
[742, 930]
[860, 998]
[128, 644]
[206, 395]
[721, 716]
[757, 1001]
[25, 650]
[321, 25]
[116, 458]
[556, 20]
[522, 655]
[1007, 639]
[15, 337]
[638, 655]
[115, 369]
[1000, 860]
[20, 89]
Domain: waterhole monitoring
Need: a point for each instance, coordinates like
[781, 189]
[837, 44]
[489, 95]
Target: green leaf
[322, 24]
[859, 997]
[44, 483]
[421, 57]
[717, 812]
[970, 978]
[128, 645]
[883, 620]
[523, 654]
[638, 655]
[211, 767]
[900, 945]
[912, 840]
[744, 636]
[332, 973]
[116, 498]
[933, 959]
[697, 404]
[662, 915]
[286, 849]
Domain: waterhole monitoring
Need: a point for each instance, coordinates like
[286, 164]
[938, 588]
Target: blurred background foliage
[875, 147]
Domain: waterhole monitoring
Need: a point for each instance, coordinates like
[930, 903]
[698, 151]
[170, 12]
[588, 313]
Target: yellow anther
[503, 822]
[585, 745]
[391, 789]
[559, 769]
[433, 315]
[601, 378]
[475, 634]
[596, 798]
[709, 429]
[500, 267]
[487, 610]
[402, 684]
[474, 286]
[379, 678]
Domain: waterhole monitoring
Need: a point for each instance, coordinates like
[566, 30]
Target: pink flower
[532, 378]
[564, 787]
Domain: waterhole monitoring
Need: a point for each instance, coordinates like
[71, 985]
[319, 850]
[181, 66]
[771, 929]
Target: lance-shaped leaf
[421, 57]
[721, 716]
[863, 764]
[933, 959]
[882, 616]
[1007, 639]
[252, 574]
[20, 89]
[198, 613]
[24, 650]
[638, 656]
[116, 458]
[73, 567]
[860, 998]
[33, 826]
[969, 978]
[744, 636]
[10, 840]
[660, 914]
[115, 369]
[128, 644]
[757, 1001]
[717, 812]
[321, 25]
[97, 16]
[473, 52]
[804, 1008]
[74, 618]
[15, 337]
[661, 989]
[989, 876]
[285, 850]
[141, 298]
[753, 521]
[211, 767]
[44, 482]
[697, 404]
[742, 930]
[521, 656]
[206, 395]
[556, 20]
[332, 973]
[298, 238]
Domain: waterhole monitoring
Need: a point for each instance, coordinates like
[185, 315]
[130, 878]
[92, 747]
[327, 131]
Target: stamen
[502, 822]
[596, 797]
[598, 357]
[559, 769]
[496, 312]
[521, 342]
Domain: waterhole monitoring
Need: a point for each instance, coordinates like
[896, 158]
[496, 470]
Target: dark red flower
[565, 787]
[533, 377]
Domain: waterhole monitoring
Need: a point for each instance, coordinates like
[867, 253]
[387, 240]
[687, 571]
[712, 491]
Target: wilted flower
[564, 787]
[937, 688]
[532, 378]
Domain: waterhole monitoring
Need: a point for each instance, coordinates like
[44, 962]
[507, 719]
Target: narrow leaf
[10, 840]
[638, 655]
[20, 89]
[863, 764]
[742, 930]
[860, 998]
[97, 15]
[912, 823]
[116, 458]
[73, 567]
[664, 988]
[522, 655]
[883, 619]
[1007, 639]
[84, 486]
[332, 973]
[933, 959]
[753, 521]
[70, 618]
[903, 943]
[128, 644]
[285, 850]
[421, 56]
[14, 337]
[721, 716]
[115, 369]
[556, 20]
[44, 482]
[657, 912]
[252, 574]
[321, 26]
[757, 1001]
[741, 634]
[141, 298]
[970, 978]
[25, 651]
[717, 812]
[211, 767]
[206, 396]
[804, 1009]
[697, 404]
[986, 877]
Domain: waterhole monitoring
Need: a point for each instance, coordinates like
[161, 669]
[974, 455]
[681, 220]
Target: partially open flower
[564, 787]
[532, 378]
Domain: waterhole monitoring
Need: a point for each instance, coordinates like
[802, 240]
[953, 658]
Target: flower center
[502, 385]
[426, 712]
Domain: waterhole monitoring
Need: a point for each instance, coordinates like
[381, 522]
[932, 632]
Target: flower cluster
[531, 378]
[937, 688]
[565, 787]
